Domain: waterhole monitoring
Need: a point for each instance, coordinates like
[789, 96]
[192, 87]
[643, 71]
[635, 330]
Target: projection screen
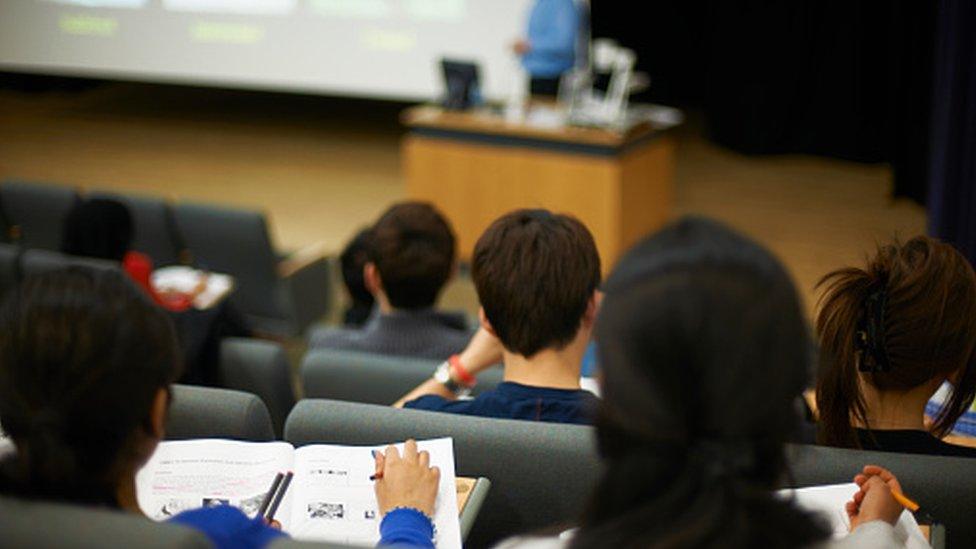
[369, 48]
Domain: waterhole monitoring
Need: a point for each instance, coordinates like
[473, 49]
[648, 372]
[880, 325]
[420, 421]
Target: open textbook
[830, 501]
[330, 498]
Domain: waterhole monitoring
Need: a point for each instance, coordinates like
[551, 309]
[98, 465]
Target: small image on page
[332, 498]
[191, 474]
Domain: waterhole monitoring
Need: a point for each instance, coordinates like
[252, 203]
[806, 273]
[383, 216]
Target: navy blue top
[228, 528]
[516, 401]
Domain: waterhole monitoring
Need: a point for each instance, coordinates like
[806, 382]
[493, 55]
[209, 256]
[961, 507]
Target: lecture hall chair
[35, 212]
[42, 525]
[206, 412]
[259, 367]
[35, 261]
[372, 378]
[153, 226]
[277, 295]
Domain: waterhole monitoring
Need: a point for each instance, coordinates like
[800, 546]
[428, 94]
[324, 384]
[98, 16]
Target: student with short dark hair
[352, 261]
[891, 334]
[86, 363]
[703, 348]
[536, 274]
[410, 255]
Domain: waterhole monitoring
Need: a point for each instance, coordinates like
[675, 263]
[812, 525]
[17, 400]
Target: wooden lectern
[476, 166]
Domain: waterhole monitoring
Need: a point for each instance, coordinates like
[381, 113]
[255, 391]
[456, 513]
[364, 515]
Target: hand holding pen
[405, 481]
[880, 498]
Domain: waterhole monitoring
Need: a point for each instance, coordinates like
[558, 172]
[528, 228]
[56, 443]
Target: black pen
[271, 493]
[279, 496]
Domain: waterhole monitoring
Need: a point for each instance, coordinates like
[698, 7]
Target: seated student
[702, 347]
[353, 260]
[890, 335]
[86, 363]
[536, 273]
[103, 228]
[410, 254]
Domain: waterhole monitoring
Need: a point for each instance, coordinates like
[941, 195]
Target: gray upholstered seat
[36, 211]
[541, 473]
[153, 227]
[41, 261]
[237, 242]
[259, 367]
[204, 412]
[41, 525]
[371, 378]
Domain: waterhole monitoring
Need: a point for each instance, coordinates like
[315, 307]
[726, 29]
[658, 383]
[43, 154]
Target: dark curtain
[843, 78]
[952, 197]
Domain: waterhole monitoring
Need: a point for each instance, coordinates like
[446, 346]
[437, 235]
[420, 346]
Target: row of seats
[528, 491]
[261, 367]
[280, 295]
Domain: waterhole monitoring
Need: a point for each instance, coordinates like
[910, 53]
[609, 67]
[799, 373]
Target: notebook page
[332, 498]
[188, 474]
[830, 501]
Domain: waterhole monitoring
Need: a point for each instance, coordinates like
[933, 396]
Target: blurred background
[807, 124]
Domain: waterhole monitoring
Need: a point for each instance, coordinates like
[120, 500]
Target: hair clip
[869, 341]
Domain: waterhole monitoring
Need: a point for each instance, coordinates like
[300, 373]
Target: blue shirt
[229, 528]
[554, 26]
[516, 401]
[404, 527]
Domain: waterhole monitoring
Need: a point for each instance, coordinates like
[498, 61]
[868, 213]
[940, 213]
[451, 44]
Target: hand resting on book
[407, 480]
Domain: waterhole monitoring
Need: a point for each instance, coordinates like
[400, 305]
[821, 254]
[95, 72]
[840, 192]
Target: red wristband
[464, 376]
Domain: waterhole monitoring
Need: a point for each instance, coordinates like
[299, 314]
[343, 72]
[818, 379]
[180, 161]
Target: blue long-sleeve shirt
[229, 528]
[554, 26]
[406, 528]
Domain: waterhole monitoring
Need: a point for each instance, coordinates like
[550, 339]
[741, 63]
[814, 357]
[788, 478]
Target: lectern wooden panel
[475, 167]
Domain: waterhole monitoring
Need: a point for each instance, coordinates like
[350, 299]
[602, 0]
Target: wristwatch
[443, 376]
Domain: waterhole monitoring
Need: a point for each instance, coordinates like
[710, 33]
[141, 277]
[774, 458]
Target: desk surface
[485, 121]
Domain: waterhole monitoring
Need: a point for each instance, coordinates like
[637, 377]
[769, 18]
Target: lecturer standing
[550, 46]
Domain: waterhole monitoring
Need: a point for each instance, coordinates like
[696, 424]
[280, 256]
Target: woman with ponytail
[86, 363]
[890, 335]
[703, 350]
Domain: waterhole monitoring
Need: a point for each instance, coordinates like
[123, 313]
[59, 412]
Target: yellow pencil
[905, 502]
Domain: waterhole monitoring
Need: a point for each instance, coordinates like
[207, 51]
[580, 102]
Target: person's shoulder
[338, 337]
[228, 526]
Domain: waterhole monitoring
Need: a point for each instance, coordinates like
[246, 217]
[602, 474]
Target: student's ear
[592, 308]
[158, 413]
[483, 320]
[371, 278]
